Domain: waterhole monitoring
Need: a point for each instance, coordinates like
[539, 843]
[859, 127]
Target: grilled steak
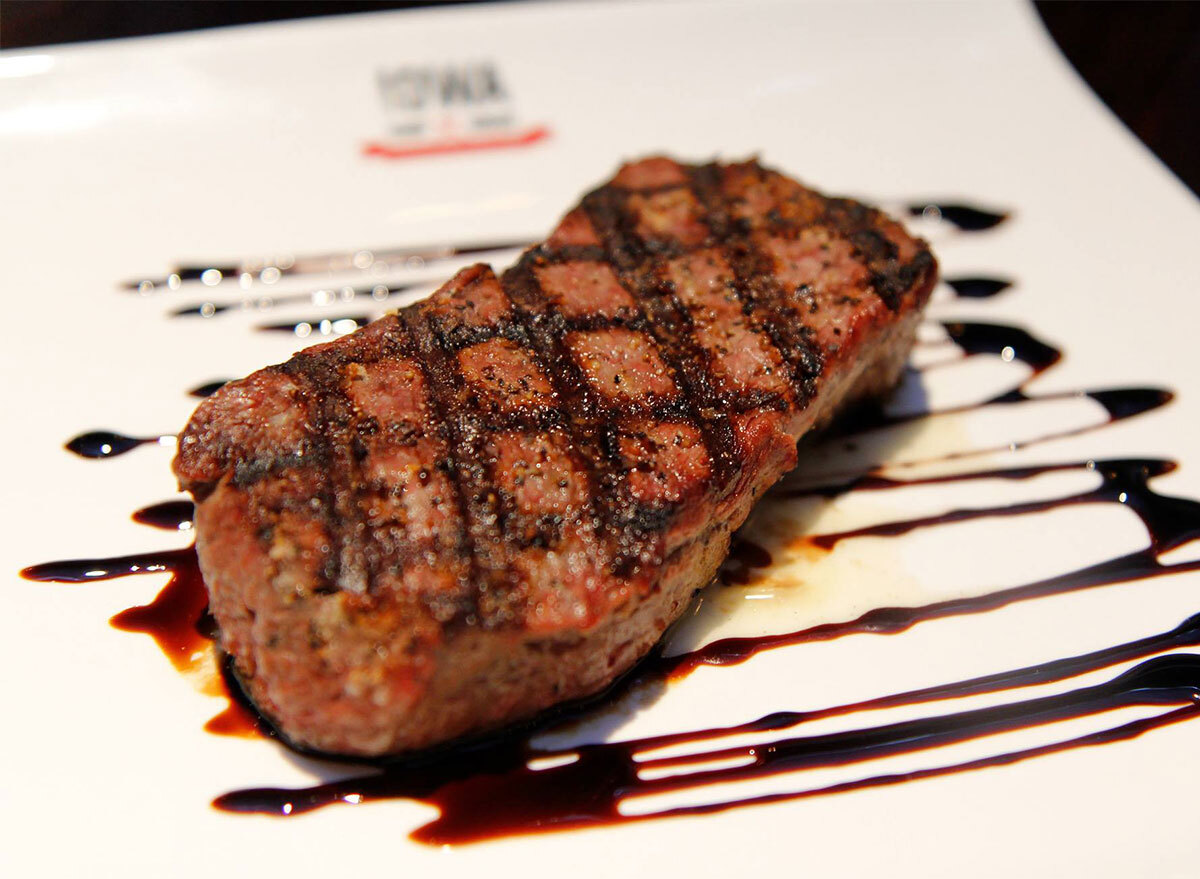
[499, 498]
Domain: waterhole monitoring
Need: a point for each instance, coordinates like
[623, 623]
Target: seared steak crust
[499, 498]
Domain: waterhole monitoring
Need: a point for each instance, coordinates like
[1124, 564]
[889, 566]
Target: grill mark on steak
[380, 437]
[890, 277]
[588, 429]
[764, 301]
[444, 386]
[583, 422]
[670, 325]
[320, 456]
[342, 476]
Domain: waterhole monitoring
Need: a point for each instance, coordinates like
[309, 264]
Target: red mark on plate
[526, 137]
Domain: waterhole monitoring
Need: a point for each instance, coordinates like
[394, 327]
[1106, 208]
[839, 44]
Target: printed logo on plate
[434, 109]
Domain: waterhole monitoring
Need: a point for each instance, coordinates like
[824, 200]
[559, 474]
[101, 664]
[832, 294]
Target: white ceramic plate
[119, 161]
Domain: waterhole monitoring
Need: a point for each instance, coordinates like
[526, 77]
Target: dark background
[1141, 57]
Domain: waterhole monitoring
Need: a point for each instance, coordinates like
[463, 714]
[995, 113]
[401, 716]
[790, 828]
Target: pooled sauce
[488, 789]
[236, 720]
[239, 718]
[745, 556]
[177, 619]
[172, 619]
[1171, 522]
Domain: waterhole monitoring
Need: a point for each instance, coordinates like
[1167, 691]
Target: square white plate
[123, 160]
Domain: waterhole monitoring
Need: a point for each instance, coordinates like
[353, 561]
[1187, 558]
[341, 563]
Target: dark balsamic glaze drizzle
[195, 273]
[590, 789]
[1121, 482]
[876, 482]
[175, 619]
[968, 218]
[169, 515]
[319, 263]
[486, 789]
[972, 338]
[1012, 343]
[106, 444]
[490, 790]
[1017, 343]
[978, 287]
[319, 326]
[263, 302]
[209, 388]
